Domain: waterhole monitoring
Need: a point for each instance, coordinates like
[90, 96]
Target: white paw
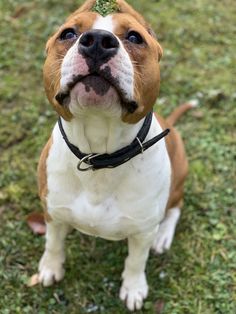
[166, 231]
[51, 268]
[133, 291]
[163, 240]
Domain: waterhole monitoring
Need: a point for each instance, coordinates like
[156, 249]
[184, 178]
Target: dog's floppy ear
[160, 50]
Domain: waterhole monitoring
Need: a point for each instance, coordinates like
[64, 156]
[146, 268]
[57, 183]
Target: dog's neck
[100, 134]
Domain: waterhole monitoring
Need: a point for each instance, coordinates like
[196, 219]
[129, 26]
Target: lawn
[198, 274]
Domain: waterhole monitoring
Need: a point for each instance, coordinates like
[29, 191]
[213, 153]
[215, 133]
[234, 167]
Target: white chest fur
[109, 203]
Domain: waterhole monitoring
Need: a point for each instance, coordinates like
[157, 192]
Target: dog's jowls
[102, 76]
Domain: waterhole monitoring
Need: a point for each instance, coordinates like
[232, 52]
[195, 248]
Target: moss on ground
[198, 275]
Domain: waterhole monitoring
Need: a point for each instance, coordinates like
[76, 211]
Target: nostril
[109, 42]
[98, 44]
[87, 40]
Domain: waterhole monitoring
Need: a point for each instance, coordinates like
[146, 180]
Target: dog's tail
[179, 111]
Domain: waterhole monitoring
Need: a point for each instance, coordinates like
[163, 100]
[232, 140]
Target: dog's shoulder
[178, 160]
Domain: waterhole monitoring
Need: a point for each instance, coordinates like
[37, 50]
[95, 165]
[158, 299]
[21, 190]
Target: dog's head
[103, 59]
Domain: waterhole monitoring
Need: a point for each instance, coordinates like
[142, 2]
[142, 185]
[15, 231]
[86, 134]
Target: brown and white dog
[102, 76]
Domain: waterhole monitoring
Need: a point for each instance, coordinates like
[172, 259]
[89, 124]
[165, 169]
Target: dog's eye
[68, 34]
[134, 37]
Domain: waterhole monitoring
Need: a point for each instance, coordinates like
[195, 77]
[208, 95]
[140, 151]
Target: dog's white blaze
[105, 23]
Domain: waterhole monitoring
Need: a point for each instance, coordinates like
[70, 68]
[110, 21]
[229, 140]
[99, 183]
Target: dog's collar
[99, 161]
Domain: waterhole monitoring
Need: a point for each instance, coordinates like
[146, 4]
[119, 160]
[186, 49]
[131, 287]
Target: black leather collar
[99, 161]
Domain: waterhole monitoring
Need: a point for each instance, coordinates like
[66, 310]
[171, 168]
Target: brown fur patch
[42, 178]
[179, 164]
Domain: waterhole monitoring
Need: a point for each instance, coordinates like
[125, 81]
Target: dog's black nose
[99, 45]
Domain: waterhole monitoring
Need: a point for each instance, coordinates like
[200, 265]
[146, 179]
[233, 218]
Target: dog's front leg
[134, 288]
[51, 264]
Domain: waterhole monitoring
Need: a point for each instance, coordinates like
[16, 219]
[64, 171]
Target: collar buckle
[140, 144]
[86, 159]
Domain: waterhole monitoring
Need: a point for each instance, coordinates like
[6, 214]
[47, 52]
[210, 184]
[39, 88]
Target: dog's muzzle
[97, 47]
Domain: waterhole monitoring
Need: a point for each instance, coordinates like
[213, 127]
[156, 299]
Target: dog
[111, 168]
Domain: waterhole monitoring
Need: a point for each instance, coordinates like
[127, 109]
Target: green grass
[198, 274]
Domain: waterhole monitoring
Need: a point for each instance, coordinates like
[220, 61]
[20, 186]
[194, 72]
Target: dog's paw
[51, 269]
[133, 291]
[163, 240]
[166, 231]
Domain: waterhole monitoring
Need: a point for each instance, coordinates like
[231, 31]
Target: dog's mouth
[99, 83]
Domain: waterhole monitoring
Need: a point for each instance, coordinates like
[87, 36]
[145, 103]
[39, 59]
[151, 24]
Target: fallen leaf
[197, 114]
[159, 306]
[33, 281]
[36, 223]
[21, 10]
